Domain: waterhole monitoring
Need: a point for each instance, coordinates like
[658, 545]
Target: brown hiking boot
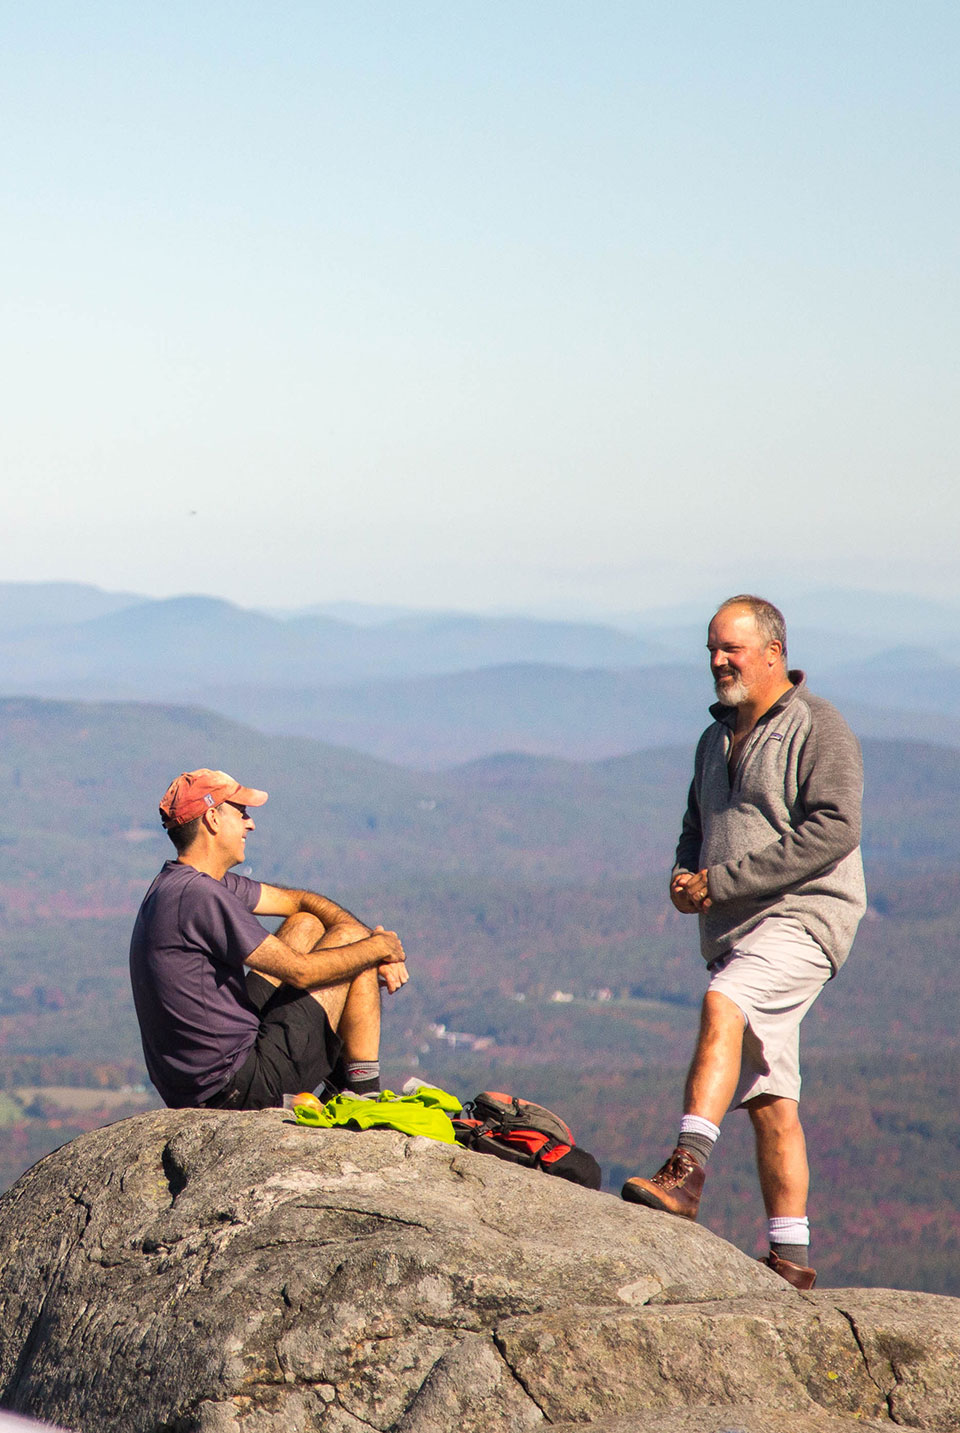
[675, 1188]
[796, 1274]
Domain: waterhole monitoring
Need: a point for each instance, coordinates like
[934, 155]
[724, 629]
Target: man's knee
[301, 931]
[774, 1113]
[719, 1010]
[349, 932]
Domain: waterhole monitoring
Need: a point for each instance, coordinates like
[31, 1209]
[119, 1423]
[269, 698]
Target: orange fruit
[307, 1099]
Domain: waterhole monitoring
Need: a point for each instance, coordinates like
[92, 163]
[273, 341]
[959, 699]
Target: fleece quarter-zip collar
[728, 715]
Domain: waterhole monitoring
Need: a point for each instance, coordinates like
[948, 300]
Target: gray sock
[699, 1145]
[789, 1237]
[794, 1253]
[698, 1136]
[362, 1077]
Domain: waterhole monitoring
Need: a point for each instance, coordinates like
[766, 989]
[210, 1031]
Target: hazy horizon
[797, 599]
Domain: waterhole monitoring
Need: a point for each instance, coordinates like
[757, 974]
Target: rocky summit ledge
[204, 1272]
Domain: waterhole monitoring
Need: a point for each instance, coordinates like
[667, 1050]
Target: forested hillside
[545, 957]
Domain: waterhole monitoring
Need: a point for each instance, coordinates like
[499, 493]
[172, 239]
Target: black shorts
[295, 1049]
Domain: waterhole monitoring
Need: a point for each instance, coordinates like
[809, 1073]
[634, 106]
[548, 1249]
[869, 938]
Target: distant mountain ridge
[82, 781]
[145, 648]
[37, 604]
[444, 720]
[436, 689]
[888, 618]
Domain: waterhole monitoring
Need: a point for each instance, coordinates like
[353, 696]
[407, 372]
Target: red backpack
[524, 1133]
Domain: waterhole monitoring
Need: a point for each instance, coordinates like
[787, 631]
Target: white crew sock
[790, 1238]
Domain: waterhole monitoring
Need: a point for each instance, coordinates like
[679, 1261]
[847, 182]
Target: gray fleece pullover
[782, 837]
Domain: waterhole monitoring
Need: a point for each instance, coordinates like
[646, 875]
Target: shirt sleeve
[246, 891]
[691, 832]
[215, 919]
[691, 835]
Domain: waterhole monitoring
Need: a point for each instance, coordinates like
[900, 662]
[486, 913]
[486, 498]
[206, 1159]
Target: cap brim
[248, 796]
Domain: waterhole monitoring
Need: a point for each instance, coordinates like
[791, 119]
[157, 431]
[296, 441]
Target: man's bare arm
[336, 921]
[287, 900]
[326, 965]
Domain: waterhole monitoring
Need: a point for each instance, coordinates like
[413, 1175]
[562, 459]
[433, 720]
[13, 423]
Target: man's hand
[391, 977]
[689, 893]
[392, 973]
[391, 949]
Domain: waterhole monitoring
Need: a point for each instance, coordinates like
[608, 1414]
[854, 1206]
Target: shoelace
[676, 1169]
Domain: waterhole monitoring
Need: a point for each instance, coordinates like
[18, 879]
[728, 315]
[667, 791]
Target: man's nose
[717, 659]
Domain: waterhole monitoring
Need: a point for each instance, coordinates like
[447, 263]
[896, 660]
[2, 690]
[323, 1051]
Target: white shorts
[773, 974]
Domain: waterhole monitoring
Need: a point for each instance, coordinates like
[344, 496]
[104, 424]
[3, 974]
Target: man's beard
[731, 693]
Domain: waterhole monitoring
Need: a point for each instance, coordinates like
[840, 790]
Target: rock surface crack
[175, 1174]
[30, 1343]
[455, 1166]
[377, 1215]
[887, 1396]
[364, 1423]
[501, 1350]
[87, 1208]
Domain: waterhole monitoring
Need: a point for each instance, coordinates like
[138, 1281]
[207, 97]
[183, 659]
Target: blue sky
[560, 307]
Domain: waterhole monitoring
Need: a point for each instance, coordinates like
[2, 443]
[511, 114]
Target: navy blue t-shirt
[191, 938]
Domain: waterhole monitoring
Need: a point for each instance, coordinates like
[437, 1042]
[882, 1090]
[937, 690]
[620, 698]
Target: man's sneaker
[676, 1188]
[796, 1274]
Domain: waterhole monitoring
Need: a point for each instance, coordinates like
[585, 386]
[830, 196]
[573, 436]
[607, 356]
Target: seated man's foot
[675, 1188]
[796, 1274]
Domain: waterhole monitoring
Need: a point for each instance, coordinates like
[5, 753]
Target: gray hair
[769, 619]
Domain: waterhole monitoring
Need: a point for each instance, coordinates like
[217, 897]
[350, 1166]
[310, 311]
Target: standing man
[310, 1003]
[769, 859]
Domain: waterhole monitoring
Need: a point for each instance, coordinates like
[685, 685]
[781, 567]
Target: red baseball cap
[194, 792]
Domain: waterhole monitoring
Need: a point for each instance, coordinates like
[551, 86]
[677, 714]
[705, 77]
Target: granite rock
[211, 1272]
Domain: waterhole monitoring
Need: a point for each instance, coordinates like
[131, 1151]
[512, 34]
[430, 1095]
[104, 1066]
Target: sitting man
[310, 1002]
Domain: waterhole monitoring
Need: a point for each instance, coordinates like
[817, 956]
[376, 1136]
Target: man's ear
[211, 819]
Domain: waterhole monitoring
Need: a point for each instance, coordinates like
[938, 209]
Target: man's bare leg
[359, 1023]
[715, 1067]
[781, 1156]
[352, 1006]
[784, 1180]
[711, 1082]
[301, 932]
